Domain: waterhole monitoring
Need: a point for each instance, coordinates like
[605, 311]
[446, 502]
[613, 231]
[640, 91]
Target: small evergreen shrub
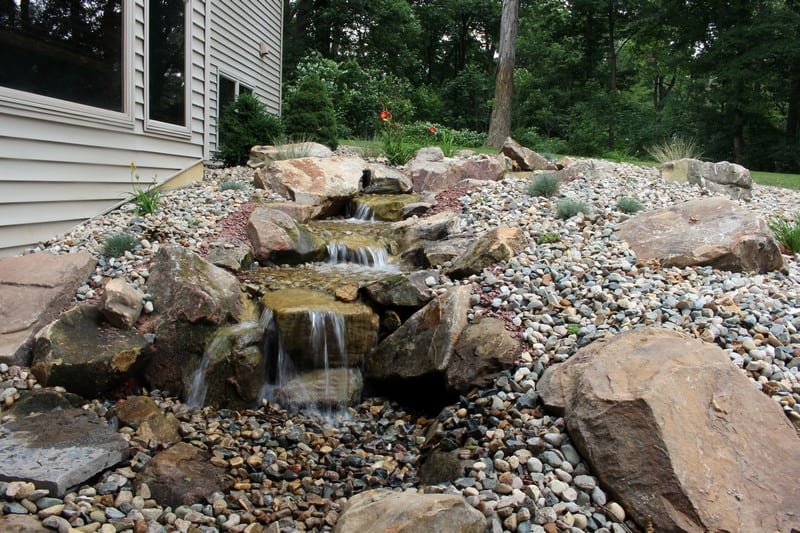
[117, 244]
[674, 149]
[231, 185]
[244, 123]
[787, 233]
[309, 112]
[568, 207]
[629, 205]
[546, 185]
[548, 238]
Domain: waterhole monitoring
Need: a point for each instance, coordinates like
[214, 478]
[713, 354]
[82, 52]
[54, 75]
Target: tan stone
[499, 244]
[678, 433]
[264, 155]
[725, 178]
[121, 303]
[708, 231]
[276, 237]
[525, 158]
[321, 387]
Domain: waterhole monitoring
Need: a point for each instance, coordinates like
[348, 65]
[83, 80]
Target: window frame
[157, 126]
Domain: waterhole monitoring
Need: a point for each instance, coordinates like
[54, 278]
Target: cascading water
[373, 256]
[362, 212]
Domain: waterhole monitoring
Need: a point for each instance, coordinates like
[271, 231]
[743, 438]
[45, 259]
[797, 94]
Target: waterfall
[363, 212]
[373, 256]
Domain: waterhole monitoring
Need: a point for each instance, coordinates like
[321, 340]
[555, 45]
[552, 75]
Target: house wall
[235, 37]
[62, 163]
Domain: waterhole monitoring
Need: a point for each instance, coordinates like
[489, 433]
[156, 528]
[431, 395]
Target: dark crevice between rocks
[425, 395]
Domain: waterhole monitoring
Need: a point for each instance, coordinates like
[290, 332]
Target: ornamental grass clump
[546, 185]
[629, 205]
[568, 207]
[231, 185]
[674, 149]
[117, 244]
[144, 198]
[787, 233]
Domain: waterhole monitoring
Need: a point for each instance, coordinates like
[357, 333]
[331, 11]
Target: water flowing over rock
[382, 179]
[326, 182]
[678, 434]
[324, 388]
[264, 155]
[708, 231]
[389, 207]
[498, 244]
[92, 359]
[428, 175]
[121, 303]
[35, 288]
[525, 158]
[409, 512]
[726, 178]
[278, 238]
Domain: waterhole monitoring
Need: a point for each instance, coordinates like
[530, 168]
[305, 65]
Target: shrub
[787, 233]
[546, 185]
[568, 207]
[231, 185]
[674, 149]
[548, 238]
[244, 123]
[117, 244]
[629, 205]
[309, 112]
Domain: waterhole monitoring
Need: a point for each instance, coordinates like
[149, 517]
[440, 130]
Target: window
[166, 54]
[66, 50]
[227, 91]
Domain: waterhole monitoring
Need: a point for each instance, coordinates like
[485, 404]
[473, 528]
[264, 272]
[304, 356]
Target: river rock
[427, 175]
[498, 244]
[34, 289]
[423, 347]
[331, 387]
[383, 179]
[328, 182]
[264, 155]
[143, 414]
[78, 351]
[524, 158]
[278, 238]
[121, 303]
[707, 231]
[21, 523]
[58, 449]
[182, 475]
[408, 512]
[678, 433]
[725, 178]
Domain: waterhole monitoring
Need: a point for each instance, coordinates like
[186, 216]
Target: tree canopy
[592, 77]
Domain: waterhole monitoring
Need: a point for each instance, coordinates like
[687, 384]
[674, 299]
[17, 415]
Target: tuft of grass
[292, 148]
[573, 329]
[548, 238]
[117, 244]
[546, 185]
[787, 232]
[629, 205]
[568, 207]
[674, 149]
[145, 199]
[231, 185]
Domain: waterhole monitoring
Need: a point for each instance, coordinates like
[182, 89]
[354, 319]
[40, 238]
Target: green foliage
[573, 329]
[244, 123]
[231, 185]
[144, 198]
[396, 149]
[117, 244]
[548, 238]
[546, 185]
[569, 207]
[629, 205]
[530, 138]
[787, 233]
[674, 149]
[309, 112]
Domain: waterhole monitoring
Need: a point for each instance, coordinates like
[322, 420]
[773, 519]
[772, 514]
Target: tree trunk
[793, 114]
[500, 125]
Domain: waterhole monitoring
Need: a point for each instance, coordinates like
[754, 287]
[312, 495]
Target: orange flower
[384, 115]
[432, 130]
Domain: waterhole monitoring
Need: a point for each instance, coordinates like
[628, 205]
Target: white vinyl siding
[236, 35]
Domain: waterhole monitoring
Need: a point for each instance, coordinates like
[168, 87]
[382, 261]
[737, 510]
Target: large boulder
[707, 231]
[230, 253]
[524, 158]
[484, 349]
[388, 207]
[34, 289]
[498, 244]
[383, 179]
[402, 290]
[261, 156]
[328, 182]
[726, 178]
[441, 175]
[412, 234]
[408, 512]
[80, 352]
[277, 238]
[678, 434]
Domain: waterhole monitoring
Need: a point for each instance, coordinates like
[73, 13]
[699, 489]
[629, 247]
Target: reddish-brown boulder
[525, 158]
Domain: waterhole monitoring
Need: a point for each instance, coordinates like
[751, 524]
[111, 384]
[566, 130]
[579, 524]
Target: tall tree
[500, 124]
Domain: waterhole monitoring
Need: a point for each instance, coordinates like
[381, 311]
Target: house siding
[62, 163]
[235, 36]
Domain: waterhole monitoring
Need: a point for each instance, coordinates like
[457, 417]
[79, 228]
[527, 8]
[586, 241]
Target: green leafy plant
[395, 147]
[629, 205]
[445, 139]
[117, 244]
[546, 185]
[569, 207]
[244, 123]
[548, 238]
[674, 149]
[193, 222]
[573, 329]
[787, 233]
[144, 198]
[231, 185]
[309, 112]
